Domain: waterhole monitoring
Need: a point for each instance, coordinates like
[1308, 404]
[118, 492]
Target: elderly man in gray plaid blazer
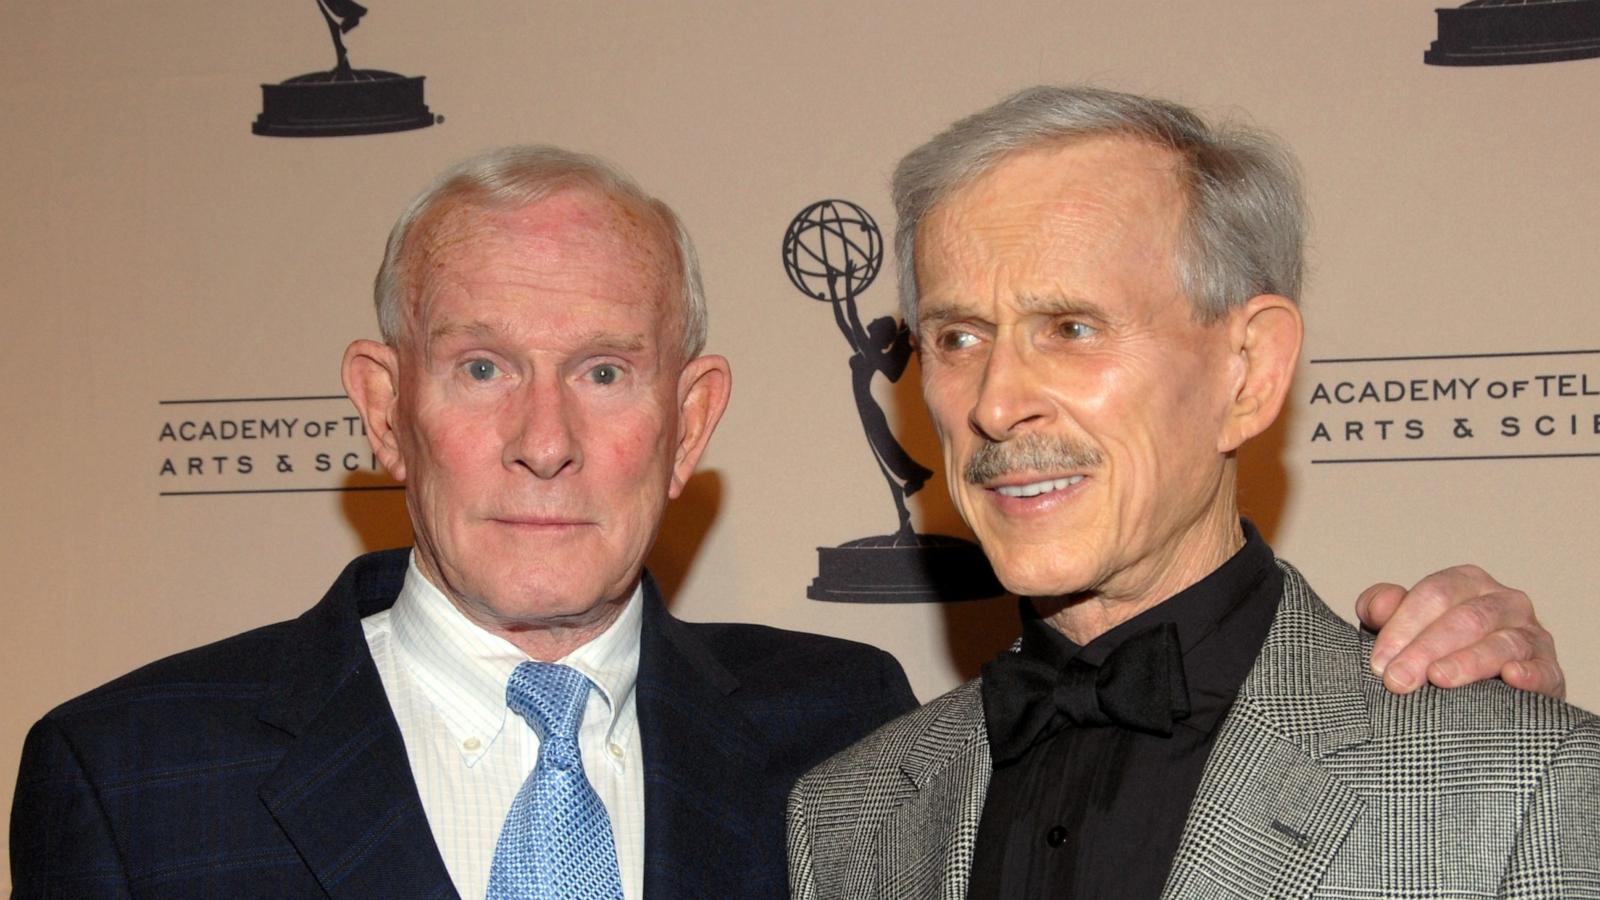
[1103, 289]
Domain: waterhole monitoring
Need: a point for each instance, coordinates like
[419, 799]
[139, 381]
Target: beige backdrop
[154, 250]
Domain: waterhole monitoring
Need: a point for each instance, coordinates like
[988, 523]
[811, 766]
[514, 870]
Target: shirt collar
[463, 669]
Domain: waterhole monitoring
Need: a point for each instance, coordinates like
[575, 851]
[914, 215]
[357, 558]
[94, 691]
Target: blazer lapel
[344, 794]
[1268, 816]
[713, 815]
[924, 846]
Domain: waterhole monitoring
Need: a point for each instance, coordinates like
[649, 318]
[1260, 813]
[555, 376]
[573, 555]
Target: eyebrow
[938, 316]
[604, 341]
[941, 314]
[613, 343]
[1057, 305]
[470, 329]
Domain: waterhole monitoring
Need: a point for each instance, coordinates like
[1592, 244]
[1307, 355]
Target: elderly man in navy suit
[506, 710]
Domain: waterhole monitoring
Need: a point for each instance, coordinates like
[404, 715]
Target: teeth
[1038, 487]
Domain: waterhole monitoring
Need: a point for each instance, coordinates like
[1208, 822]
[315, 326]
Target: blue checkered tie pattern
[556, 842]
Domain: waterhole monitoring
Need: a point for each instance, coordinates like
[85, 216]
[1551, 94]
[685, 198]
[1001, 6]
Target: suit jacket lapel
[914, 807]
[1268, 816]
[924, 846]
[705, 781]
[344, 794]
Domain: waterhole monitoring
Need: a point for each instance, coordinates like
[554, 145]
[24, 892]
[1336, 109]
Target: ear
[371, 374]
[1264, 336]
[704, 386]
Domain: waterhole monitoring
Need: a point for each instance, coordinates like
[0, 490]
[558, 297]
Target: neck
[548, 641]
[1190, 555]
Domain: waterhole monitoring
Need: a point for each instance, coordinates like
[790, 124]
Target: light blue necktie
[556, 842]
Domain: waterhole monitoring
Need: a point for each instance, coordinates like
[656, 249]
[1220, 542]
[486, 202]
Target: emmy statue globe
[342, 100]
[832, 252]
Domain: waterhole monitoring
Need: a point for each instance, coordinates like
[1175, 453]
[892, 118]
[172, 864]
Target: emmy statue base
[1510, 32]
[903, 568]
[335, 103]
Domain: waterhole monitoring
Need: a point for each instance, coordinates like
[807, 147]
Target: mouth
[541, 521]
[1037, 488]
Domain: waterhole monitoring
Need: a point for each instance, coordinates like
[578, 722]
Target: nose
[1009, 399]
[543, 430]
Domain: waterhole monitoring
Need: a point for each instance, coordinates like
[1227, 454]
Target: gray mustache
[1029, 453]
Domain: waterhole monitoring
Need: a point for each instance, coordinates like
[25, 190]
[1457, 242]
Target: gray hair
[516, 177]
[1245, 221]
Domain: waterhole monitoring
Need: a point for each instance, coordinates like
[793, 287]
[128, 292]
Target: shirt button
[1056, 836]
[471, 744]
[615, 750]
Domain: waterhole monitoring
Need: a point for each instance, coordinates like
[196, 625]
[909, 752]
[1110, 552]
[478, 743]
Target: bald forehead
[459, 233]
[630, 229]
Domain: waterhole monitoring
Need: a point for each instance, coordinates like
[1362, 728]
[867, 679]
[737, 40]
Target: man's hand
[1456, 627]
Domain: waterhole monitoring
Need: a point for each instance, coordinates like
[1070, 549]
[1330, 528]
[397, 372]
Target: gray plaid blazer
[1320, 784]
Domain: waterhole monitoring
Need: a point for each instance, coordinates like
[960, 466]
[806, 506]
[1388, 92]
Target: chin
[1026, 580]
[545, 599]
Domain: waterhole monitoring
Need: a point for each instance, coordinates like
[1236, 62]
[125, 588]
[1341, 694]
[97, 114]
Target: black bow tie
[1140, 686]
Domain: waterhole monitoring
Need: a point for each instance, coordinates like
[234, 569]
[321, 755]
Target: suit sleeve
[61, 841]
[802, 881]
[1557, 852]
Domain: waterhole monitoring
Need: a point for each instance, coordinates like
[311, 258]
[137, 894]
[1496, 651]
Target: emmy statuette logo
[1510, 32]
[342, 100]
[833, 251]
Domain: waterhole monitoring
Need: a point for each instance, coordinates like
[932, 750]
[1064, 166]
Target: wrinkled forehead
[572, 228]
[1102, 175]
[1065, 202]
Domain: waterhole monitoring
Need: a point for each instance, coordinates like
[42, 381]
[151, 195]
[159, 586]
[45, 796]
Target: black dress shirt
[1098, 811]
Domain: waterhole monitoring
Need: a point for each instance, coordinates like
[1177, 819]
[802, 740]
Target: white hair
[513, 178]
[1245, 221]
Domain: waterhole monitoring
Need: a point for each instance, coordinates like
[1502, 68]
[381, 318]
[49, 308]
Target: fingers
[1473, 641]
[1465, 641]
[1482, 659]
[1406, 615]
[1542, 676]
[1377, 603]
[1457, 626]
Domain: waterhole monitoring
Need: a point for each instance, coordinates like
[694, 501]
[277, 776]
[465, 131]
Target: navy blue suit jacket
[270, 764]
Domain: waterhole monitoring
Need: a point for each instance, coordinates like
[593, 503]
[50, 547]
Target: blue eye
[605, 373]
[481, 370]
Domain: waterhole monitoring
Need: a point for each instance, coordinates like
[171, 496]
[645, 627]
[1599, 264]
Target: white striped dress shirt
[446, 681]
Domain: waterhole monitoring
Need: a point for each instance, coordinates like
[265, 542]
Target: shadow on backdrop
[974, 630]
[935, 511]
[1263, 478]
[376, 510]
[683, 531]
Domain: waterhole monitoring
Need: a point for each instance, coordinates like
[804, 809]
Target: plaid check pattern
[556, 843]
[1321, 784]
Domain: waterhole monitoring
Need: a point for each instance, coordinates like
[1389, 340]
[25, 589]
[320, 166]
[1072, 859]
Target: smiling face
[538, 408]
[1081, 406]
